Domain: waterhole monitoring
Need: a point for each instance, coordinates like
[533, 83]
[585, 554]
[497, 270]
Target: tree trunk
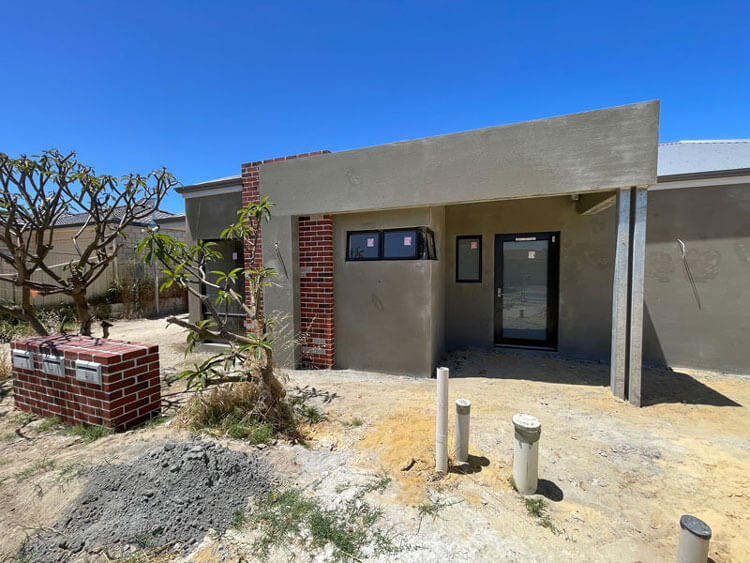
[28, 313]
[83, 312]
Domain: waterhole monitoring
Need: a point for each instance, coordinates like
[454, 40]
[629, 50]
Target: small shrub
[537, 507]
[353, 422]
[87, 433]
[379, 484]
[239, 520]
[48, 424]
[156, 421]
[23, 418]
[145, 540]
[287, 517]
[312, 414]
[41, 466]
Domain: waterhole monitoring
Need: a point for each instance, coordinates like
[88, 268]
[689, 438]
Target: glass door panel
[526, 289]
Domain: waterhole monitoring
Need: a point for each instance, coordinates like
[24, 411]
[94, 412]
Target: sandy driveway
[617, 478]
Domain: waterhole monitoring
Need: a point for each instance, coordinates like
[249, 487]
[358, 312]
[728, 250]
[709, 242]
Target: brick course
[316, 270]
[128, 395]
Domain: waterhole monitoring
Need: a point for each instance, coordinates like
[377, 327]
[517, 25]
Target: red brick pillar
[251, 193]
[316, 258]
[316, 290]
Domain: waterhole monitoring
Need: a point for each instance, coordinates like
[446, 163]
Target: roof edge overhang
[233, 181]
[705, 175]
[703, 179]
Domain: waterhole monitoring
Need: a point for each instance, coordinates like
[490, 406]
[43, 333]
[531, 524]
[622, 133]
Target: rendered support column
[441, 422]
[620, 284]
[637, 268]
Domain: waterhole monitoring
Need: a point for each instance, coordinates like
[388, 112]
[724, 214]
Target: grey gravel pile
[176, 492]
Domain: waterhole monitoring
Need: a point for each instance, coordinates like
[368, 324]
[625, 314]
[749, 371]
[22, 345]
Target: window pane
[525, 289]
[400, 244]
[363, 246]
[468, 259]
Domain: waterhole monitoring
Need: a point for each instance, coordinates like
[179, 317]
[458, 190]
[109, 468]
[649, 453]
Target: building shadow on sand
[660, 385]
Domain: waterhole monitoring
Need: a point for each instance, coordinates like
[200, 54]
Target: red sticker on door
[474, 245]
[370, 242]
[407, 241]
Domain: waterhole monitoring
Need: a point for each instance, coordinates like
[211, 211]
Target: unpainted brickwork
[128, 394]
[316, 270]
[251, 193]
[316, 290]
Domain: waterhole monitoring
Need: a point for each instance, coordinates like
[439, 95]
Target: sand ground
[616, 478]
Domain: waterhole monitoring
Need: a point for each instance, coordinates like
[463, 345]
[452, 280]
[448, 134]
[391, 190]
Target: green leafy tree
[37, 193]
[248, 358]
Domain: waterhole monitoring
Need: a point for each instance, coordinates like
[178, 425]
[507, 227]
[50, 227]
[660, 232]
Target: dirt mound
[174, 493]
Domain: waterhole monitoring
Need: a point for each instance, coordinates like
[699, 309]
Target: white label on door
[532, 254]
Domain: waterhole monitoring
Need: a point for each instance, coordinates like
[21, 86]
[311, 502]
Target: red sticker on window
[407, 241]
[370, 242]
[474, 245]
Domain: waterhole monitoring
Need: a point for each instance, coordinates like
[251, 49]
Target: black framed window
[414, 243]
[469, 258]
[401, 244]
[363, 245]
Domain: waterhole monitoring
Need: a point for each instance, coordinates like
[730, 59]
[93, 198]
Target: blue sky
[201, 87]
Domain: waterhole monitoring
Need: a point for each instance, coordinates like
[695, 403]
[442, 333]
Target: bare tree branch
[39, 191]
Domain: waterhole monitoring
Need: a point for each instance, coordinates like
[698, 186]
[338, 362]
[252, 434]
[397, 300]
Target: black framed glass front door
[526, 289]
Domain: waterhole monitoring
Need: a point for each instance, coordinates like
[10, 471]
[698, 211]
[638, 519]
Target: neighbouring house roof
[708, 158]
[225, 182]
[75, 219]
[677, 160]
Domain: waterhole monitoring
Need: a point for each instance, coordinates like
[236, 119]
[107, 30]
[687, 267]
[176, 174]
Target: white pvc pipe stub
[441, 422]
[526, 452]
[695, 536]
[461, 446]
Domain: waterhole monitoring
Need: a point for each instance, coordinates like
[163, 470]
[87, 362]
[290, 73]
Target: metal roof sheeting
[690, 157]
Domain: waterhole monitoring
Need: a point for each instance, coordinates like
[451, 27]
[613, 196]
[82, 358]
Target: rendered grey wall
[280, 302]
[388, 313]
[610, 148]
[586, 269]
[714, 224]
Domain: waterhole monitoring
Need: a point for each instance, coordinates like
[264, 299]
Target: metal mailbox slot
[52, 364]
[22, 359]
[90, 372]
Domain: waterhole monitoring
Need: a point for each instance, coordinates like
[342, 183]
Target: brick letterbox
[85, 380]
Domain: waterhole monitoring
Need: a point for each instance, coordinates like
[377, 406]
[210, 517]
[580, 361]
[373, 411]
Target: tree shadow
[549, 490]
[474, 465]
[304, 394]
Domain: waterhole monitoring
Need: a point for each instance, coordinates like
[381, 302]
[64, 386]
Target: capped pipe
[527, 431]
[695, 536]
[461, 445]
[441, 426]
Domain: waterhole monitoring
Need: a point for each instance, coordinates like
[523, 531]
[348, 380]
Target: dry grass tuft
[236, 410]
[4, 363]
